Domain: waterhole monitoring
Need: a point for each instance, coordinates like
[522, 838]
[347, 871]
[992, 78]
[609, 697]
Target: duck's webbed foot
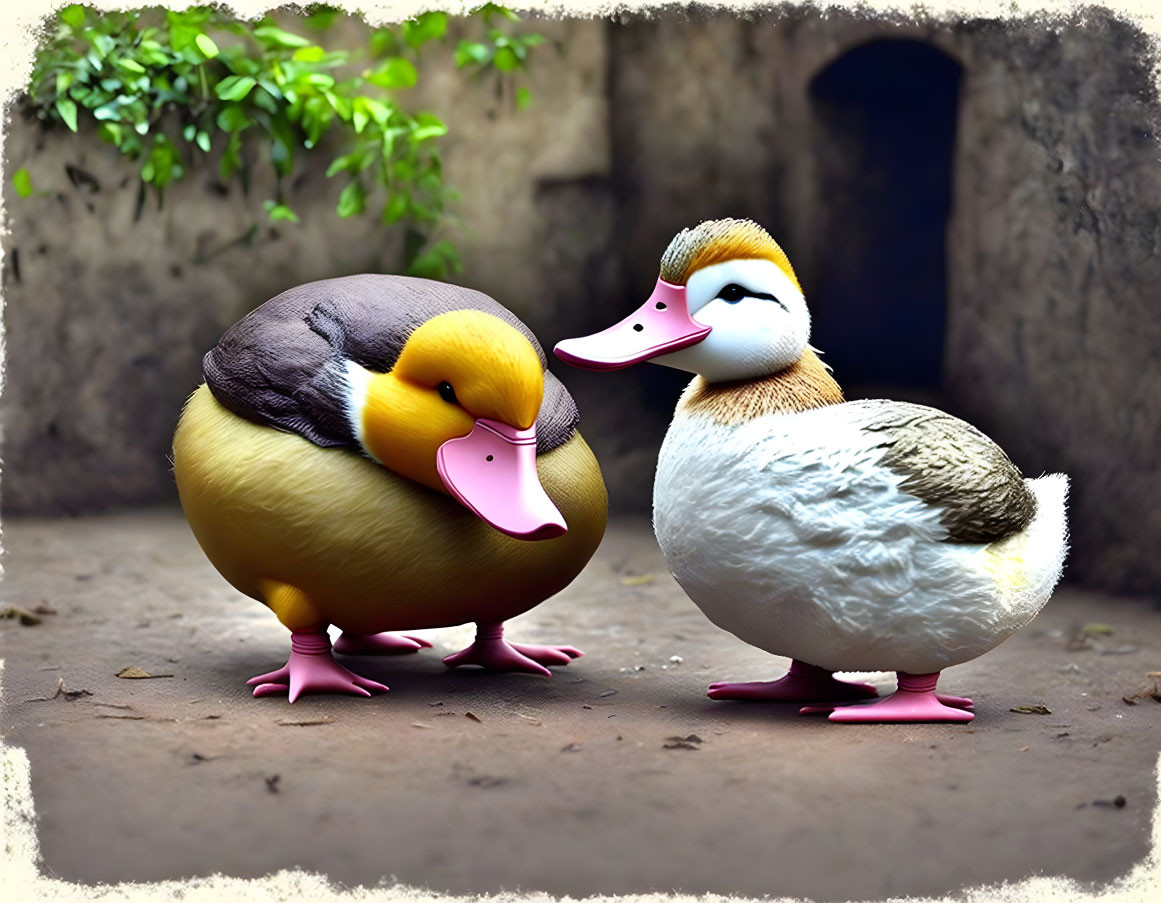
[803, 683]
[312, 669]
[379, 644]
[492, 651]
[915, 700]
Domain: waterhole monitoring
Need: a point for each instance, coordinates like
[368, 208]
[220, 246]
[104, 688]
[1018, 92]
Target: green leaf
[234, 87]
[506, 60]
[272, 36]
[73, 16]
[189, 132]
[523, 98]
[68, 112]
[352, 201]
[207, 46]
[341, 105]
[152, 53]
[428, 126]
[424, 28]
[468, 52]
[384, 42]
[280, 212]
[394, 209]
[203, 140]
[311, 54]
[320, 80]
[233, 118]
[373, 108]
[130, 65]
[264, 101]
[103, 44]
[22, 182]
[395, 72]
[111, 132]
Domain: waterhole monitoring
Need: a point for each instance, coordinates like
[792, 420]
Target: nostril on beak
[661, 305]
[489, 458]
[637, 327]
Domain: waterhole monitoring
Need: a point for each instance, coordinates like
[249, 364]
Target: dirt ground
[616, 775]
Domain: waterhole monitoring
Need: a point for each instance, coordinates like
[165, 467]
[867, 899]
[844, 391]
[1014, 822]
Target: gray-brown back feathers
[954, 467]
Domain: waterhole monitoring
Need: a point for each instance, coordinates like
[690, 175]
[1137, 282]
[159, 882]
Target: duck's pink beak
[660, 325]
[492, 472]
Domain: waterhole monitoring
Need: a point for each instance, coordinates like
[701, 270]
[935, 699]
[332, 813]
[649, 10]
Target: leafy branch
[165, 86]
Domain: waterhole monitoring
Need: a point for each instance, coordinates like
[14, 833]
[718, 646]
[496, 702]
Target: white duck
[854, 536]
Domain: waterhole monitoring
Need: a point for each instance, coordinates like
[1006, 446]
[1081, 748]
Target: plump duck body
[373, 551]
[382, 453]
[852, 536]
[806, 544]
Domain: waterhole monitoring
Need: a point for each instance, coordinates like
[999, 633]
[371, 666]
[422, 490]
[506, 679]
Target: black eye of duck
[447, 393]
[733, 293]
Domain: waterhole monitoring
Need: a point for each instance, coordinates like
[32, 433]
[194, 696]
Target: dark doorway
[886, 114]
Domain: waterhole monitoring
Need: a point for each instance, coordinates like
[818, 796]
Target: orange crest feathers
[716, 241]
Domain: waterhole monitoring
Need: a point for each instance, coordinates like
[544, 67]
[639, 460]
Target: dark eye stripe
[733, 293]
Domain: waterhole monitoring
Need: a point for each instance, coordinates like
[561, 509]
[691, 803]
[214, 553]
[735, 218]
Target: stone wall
[638, 128]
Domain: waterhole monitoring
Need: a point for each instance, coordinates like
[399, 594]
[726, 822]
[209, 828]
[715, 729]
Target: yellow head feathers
[455, 368]
[716, 241]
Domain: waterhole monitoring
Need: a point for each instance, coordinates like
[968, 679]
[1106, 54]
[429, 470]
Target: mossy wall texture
[639, 128]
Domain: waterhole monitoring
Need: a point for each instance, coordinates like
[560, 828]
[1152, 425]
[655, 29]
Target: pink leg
[914, 700]
[803, 683]
[311, 669]
[379, 644]
[492, 651]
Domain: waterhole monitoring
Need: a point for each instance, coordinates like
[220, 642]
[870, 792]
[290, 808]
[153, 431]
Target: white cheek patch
[757, 275]
[358, 381]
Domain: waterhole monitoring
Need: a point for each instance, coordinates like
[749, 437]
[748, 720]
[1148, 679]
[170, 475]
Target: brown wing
[953, 466]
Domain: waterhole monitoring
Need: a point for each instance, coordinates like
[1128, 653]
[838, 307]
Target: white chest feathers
[789, 531]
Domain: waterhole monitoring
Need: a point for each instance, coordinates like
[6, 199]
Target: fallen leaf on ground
[639, 580]
[1031, 709]
[475, 718]
[25, 617]
[305, 722]
[132, 672]
[1152, 691]
[571, 747]
[421, 724]
[272, 782]
[1096, 630]
[44, 608]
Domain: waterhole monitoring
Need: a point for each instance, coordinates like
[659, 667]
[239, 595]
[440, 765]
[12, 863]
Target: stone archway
[885, 121]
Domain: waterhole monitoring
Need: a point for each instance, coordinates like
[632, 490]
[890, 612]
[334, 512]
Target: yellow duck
[383, 453]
